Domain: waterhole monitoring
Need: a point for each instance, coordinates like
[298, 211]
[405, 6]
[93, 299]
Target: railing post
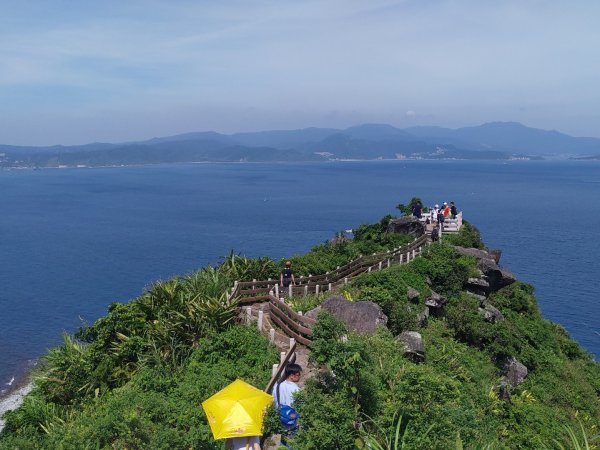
[389, 263]
[290, 291]
[281, 357]
[253, 285]
[305, 290]
[260, 320]
[248, 315]
[329, 287]
[413, 254]
[292, 342]
[345, 281]
[276, 290]
[408, 256]
[317, 289]
[369, 269]
[272, 336]
[274, 369]
[380, 265]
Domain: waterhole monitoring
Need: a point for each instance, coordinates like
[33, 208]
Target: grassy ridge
[136, 377]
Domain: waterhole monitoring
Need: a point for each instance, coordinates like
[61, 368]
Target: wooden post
[380, 265]
[248, 315]
[317, 289]
[260, 320]
[329, 287]
[413, 254]
[290, 291]
[400, 258]
[345, 281]
[292, 342]
[274, 369]
[408, 256]
[276, 290]
[299, 313]
[272, 336]
[281, 357]
[253, 281]
[369, 269]
[305, 290]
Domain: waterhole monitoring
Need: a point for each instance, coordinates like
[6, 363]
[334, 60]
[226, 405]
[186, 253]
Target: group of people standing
[436, 214]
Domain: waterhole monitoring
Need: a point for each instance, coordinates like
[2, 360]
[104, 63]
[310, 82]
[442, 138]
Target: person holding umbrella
[243, 443]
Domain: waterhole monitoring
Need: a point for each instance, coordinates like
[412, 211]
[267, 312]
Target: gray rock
[362, 317]
[313, 313]
[482, 298]
[413, 345]
[413, 295]
[436, 302]
[514, 372]
[495, 254]
[422, 317]
[496, 277]
[406, 225]
[491, 314]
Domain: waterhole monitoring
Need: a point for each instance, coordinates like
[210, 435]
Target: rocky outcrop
[514, 372]
[413, 346]
[413, 295]
[490, 313]
[362, 317]
[406, 225]
[423, 317]
[478, 286]
[436, 302]
[496, 277]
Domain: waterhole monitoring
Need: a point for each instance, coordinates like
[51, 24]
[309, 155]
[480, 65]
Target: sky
[74, 72]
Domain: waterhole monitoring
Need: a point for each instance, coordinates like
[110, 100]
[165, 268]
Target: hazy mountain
[509, 137]
[283, 139]
[496, 140]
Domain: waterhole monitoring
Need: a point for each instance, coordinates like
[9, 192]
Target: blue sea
[75, 240]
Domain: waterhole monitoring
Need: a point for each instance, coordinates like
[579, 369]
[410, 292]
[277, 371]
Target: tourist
[417, 209]
[287, 275]
[243, 443]
[434, 214]
[284, 400]
[446, 210]
[453, 212]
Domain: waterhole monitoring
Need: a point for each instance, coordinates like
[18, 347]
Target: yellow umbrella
[237, 410]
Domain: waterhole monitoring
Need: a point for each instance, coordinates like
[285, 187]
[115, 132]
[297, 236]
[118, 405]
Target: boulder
[413, 295]
[413, 346]
[313, 313]
[496, 277]
[362, 317]
[478, 286]
[495, 254]
[482, 298]
[514, 372]
[422, 317]
[491, 314]
[406, 225]
[436, 302]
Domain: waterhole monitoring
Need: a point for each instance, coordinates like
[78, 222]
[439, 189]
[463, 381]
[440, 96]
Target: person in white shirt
[243, 443]
[284, 391]
[284, 395]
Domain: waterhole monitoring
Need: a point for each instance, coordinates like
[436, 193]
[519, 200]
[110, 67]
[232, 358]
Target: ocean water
[73, 241]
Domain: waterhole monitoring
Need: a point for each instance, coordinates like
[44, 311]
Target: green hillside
[136, 377]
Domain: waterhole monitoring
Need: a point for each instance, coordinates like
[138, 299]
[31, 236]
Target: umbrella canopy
[237, 410]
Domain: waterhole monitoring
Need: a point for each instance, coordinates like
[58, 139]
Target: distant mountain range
[490, 141]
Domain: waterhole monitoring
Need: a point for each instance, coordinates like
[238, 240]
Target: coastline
[14, 399]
